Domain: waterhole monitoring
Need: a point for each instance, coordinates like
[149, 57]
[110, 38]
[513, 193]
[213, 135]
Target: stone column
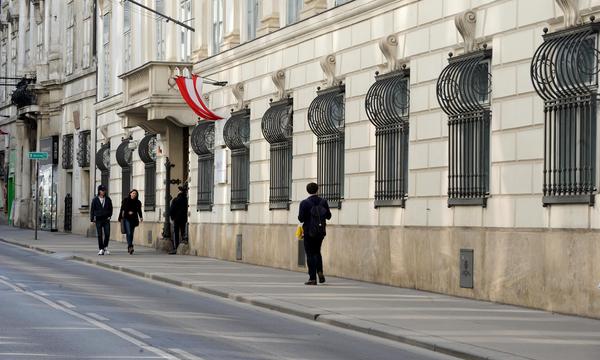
[269, 20]
[202, 20]
[231, 24]
[313, 7]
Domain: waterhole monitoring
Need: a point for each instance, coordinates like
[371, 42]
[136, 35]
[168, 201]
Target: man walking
[313, 213]
[100, 213]
[179, 215]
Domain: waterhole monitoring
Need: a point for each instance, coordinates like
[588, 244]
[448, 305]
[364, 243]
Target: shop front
[47, 190]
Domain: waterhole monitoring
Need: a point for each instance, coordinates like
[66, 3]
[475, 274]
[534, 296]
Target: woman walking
[131, 208]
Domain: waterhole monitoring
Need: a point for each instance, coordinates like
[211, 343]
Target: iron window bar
[103, 164]
[326, 118]
[236, 134]
[463, 91]
[67, 151]
[203, 142]
[124, 158]
[564, 73]
[387, 106]
[147, 153]
[277, 128]
[83, 148]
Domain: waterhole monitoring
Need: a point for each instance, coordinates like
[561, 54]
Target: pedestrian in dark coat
[179, 215]
[100, 212]
[131, 215]
[314, 209]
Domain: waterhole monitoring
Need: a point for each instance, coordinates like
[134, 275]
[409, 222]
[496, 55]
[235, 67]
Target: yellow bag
[300, 232]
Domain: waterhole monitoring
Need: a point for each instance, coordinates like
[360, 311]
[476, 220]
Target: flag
[191, 91]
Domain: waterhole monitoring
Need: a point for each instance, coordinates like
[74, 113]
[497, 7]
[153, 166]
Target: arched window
[326, 118]
[147, 152]
[203, 142]
[124, 159]
[103, 164]
[236, 134]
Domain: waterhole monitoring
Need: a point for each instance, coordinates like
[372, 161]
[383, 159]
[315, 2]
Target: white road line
[122, 335]
[66, 304]
[21, 285]
[3, 277]
[185, 354]
[39, 292]
[136, 333]
[97, 317]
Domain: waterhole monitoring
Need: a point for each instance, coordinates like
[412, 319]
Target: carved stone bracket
[389, 47]
[465, 24]
[238, 93]
[570, 9]
[38, 10]
[278, 78]
[328, 66]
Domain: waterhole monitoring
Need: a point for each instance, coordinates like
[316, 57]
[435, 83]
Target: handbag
[123, 231]
[299, 232]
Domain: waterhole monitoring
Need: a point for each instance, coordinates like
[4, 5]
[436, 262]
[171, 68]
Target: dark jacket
[135, 207]
[304, 213]
[179, 209]
[99, 212]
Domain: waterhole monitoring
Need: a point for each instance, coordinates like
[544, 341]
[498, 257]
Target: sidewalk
[465, 328]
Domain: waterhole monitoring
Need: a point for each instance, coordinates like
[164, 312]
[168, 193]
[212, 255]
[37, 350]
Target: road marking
[39, 292]
[3, 277]
[136, 333]
[66, 304]
[122, 335]
[185, 354]
[21, 285]
[25, 354]
[97, 317]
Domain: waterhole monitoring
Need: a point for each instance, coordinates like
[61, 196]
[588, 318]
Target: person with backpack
[179, 214]
[313, 213]
[100, 212]
[130, 216]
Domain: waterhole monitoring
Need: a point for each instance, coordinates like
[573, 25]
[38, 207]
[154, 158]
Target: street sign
[38, 155]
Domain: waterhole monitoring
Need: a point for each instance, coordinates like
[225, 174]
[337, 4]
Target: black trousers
[177, 230]
[103, 226]
[314, 260]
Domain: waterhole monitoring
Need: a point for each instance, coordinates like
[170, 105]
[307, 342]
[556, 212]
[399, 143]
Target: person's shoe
[129, 250]
[173, 252]
[106, 252]
[321, 277]
[101, 252]
[311, 282]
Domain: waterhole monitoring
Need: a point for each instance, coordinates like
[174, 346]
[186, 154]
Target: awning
[191, 90]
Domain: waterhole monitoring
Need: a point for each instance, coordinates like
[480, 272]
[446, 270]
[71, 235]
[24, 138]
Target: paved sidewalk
[465, 328]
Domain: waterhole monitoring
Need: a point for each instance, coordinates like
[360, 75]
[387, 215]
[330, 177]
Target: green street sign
[38, 155]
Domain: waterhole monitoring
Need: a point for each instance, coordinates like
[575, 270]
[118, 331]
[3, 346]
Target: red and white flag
[2, 132]
[191, 90]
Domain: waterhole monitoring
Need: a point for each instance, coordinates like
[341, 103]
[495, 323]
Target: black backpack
[317, 220]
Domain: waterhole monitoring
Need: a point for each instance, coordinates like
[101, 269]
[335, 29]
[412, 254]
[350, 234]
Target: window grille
[203, 142]
[67, 151]
[564, 72]
[147, 152]
[463, 91]
[124, 159]
[103, 164]
[83, 149]
[277, 128]
[326, 119]
[236, 134]
[387, 105]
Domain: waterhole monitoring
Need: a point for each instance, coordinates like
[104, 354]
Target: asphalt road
[55, 308]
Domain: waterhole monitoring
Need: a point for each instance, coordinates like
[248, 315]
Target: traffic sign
[38, 155]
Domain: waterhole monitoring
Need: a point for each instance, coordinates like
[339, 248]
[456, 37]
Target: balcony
[151, 99]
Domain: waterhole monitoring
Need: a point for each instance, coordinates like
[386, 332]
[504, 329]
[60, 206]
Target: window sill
[390, 203]
[467, 202]
[204, 207]
[569, 199]
[239, 207]
[279, 206]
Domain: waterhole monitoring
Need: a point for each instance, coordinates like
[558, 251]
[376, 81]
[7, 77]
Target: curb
[430, 346]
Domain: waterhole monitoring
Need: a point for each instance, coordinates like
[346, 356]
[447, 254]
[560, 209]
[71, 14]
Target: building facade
[472, 173]
[49, 46]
